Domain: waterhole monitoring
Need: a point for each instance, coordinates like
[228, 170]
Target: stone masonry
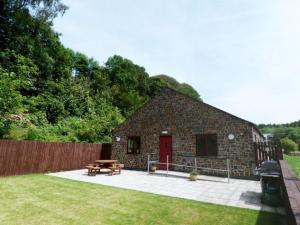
[183, 117]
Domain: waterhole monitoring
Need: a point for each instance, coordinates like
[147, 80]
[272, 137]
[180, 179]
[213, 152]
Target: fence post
[167, 164]
[148, 163]
[228, 171]
[195, 164]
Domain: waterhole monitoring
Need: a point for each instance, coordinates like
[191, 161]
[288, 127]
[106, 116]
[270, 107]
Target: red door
[165, 149]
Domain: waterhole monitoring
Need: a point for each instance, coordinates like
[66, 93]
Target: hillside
[182, 87]
[289, 130]
[49, 92]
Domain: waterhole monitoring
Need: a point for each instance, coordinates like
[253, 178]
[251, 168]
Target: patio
[237, 193]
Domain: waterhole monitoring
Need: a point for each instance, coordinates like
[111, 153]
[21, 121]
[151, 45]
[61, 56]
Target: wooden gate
[267, 151]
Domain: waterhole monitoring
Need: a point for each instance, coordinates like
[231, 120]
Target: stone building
[181, 128]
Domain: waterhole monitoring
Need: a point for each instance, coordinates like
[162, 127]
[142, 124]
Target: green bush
[16, 133]
[194, 173]
[4, 127]
[288, 145]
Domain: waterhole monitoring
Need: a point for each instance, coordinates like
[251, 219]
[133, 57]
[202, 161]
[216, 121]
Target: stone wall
[183, 117]
[257, 136]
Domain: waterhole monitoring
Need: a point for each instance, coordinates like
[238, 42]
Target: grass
[41, 199]
[294, 162]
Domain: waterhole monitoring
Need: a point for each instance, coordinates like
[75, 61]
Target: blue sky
[241, 56]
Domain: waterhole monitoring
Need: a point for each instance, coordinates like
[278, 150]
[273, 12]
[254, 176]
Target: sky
[241, 56]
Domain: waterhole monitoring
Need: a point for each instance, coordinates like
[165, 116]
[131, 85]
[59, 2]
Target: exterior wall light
[164, 132]
[118, 139]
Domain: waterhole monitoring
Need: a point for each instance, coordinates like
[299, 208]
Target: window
[206, 145]
[134, 145]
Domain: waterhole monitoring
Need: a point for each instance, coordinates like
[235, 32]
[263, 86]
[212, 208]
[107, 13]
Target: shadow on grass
[264, 218]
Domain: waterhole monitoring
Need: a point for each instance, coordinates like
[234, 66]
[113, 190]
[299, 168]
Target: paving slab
[238, 193]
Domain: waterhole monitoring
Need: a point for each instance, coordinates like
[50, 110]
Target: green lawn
[294, 162]
[41, 199]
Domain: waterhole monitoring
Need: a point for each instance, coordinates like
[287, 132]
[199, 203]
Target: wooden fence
[267, 151]
[22, 157]
[290, 193]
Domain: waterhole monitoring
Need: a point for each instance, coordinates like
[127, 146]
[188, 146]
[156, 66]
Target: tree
[288, 145]
[130, 84]
[169, 81]
[181, 87]
[23, 70]
[10, 100]
[59, 94]
[12, 12]
[189, 90]
[26, 29]
[282, 130]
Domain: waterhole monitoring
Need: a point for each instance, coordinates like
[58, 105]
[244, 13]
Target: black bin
[270, 183]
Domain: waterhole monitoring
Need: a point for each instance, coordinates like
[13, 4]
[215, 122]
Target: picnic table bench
[92, 169]
[116, 168]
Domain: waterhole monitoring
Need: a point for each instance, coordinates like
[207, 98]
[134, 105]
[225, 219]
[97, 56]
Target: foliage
[181, 87]
[131, 86]
[10, 100]
[95, 128]
[53, 200]
[288, 145]
[26, 29]
[188, 90]
[289, 130]
[49, 92]
[170, 81]
[194, 173]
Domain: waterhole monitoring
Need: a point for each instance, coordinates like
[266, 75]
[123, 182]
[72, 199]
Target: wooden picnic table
[111, 164]
[106, 161]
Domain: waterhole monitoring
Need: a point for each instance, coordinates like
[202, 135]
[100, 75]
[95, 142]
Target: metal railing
[186, 166]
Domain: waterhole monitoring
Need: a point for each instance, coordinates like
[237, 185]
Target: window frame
[134, 150]
[206, 150]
